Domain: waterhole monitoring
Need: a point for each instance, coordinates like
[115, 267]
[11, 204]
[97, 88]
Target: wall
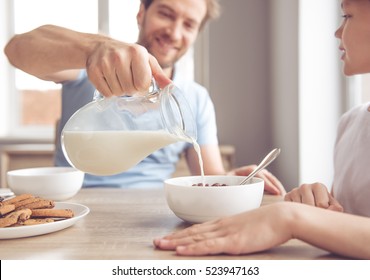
[284, 71]
[239, 77]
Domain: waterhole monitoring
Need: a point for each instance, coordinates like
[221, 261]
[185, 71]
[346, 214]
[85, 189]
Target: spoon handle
[265, 162]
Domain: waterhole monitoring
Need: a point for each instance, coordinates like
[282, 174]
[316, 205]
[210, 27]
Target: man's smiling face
[169, 27]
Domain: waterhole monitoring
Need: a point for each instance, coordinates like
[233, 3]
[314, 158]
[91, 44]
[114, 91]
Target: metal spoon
[266, 161]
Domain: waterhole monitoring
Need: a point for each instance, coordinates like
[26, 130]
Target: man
[167, 29]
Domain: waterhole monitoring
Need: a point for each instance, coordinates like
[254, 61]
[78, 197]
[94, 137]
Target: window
[122, 19]
[35, 104]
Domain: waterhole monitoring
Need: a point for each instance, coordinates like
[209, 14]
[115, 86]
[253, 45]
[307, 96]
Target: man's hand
[272, 184]
[117, 68]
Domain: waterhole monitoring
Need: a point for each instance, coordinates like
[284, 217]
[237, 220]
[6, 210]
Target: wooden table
[121, 225]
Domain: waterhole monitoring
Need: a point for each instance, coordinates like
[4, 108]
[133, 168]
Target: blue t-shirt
[154, 169]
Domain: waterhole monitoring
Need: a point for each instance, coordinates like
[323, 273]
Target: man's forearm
[49, 49]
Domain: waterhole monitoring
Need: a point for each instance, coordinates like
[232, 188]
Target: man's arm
[49, 49]
[114, 67]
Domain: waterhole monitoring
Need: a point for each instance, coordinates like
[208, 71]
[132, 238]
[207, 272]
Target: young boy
[277, 223]
[350, 191]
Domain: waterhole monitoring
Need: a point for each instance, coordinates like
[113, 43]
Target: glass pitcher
[110, 135]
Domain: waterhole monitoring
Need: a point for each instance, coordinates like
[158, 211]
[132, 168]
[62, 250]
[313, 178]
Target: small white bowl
[197, 204]
[56, 183]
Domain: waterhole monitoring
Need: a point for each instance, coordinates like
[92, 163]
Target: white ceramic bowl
[197, 204]
[56, 183]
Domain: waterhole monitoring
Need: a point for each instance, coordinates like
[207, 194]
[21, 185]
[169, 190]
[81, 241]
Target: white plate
[5, 192]
[79, 210]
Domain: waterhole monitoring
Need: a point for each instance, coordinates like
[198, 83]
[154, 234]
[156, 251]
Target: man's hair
[213, 9]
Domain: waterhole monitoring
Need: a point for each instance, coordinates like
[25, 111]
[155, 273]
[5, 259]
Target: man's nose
[175, 30]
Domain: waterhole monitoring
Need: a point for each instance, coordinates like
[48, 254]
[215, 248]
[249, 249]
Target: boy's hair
[213, 9]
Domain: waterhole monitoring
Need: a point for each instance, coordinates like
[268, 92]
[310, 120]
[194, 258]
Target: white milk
[200, 159]
[112, 152]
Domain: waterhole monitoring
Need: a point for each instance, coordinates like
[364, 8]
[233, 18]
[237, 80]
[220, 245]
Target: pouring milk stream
[110, 135]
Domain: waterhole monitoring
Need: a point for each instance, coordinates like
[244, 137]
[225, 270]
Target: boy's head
[354, 34]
